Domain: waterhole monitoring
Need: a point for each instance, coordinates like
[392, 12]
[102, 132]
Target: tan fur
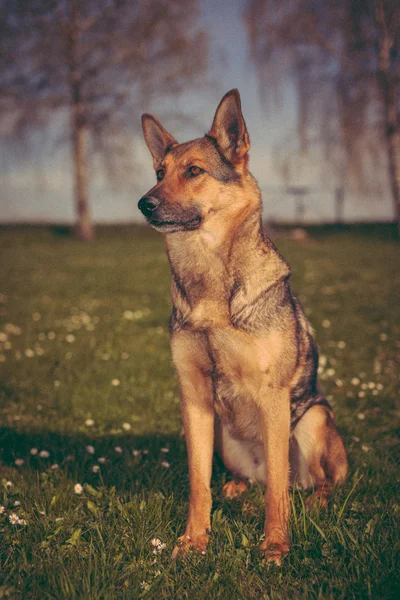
[240, 343]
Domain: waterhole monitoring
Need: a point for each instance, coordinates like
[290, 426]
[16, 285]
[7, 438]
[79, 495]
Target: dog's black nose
[147, 204]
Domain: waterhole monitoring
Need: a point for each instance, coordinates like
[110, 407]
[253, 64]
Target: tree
[344, 59]
[97, 61]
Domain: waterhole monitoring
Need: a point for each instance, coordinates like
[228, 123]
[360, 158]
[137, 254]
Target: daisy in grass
[13, 519]
[78, 489]
[158, 546]
[165, 464]
[2, 510]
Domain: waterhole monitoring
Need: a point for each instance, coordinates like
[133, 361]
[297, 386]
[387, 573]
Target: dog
[242, 347]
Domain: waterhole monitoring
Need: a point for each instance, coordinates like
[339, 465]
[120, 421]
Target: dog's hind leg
[317, 455]
[234, 488]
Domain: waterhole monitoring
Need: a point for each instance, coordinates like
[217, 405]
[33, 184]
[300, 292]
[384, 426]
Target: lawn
[93, 472]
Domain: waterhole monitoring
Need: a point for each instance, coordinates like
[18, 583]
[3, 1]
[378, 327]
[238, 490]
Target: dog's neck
[228, 252]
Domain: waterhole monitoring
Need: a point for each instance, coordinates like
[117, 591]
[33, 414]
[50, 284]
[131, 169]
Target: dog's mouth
[172, 226]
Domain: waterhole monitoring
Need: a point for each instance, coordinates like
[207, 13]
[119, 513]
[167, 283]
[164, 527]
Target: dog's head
[199, 178]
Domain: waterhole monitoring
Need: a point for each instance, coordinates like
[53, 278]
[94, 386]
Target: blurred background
[319, 81]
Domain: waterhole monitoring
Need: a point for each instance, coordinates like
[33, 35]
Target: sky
[39, 188]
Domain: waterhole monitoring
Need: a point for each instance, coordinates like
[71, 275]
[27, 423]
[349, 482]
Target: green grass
[76, 317]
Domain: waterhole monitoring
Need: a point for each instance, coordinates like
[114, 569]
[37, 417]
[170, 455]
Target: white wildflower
[44, 454]
[29, 353]
[126, 426]
[90, 449]
[2, 510]
[326, 323]
[361, 416]
[118, 449]
[165, 464]
[70, 338]
[19, 462]
[89, 422]
[101, 460]
[95, 468]
[78, 489]
[165, 450]
[115, 382]
[355, 381]
[13, 519]
[323, 360]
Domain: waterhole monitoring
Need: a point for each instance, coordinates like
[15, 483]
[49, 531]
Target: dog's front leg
[198, 422]
[275, 425]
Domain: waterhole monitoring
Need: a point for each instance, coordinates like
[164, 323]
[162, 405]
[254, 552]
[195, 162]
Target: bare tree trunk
[84, 227]
[392, 119]
[393, 145]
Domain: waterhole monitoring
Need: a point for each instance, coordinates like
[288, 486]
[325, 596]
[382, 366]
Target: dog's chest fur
[231, 322]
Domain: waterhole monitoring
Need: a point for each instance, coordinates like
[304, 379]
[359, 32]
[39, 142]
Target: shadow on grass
[130, 463]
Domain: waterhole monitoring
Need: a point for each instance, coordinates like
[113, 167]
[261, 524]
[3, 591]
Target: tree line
[97, 61]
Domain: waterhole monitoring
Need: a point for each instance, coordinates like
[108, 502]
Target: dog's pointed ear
[158, 140]
[229, 129]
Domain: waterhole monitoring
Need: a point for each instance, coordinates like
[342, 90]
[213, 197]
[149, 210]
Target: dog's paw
[234, 488]
[274, 551]
[187, 542]
[318, 499]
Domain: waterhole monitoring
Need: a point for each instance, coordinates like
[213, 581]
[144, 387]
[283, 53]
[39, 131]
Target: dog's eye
[160, 174]
[194, 171]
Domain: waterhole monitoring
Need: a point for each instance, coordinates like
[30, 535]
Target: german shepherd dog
[243, 349]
